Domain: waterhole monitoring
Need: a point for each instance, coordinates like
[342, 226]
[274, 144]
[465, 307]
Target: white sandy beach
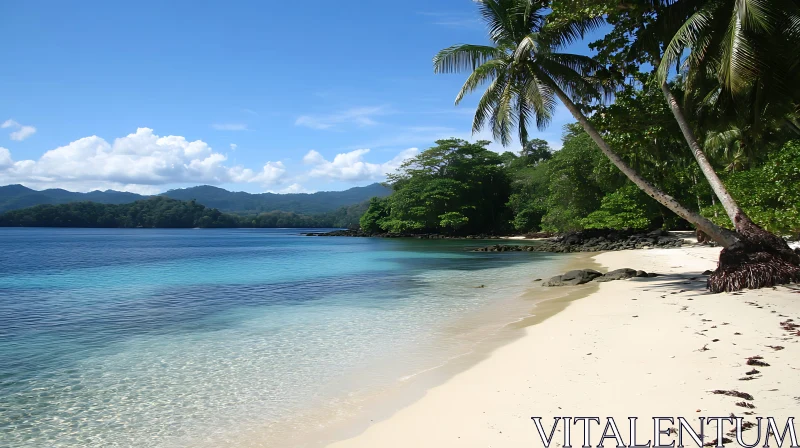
[630, 348]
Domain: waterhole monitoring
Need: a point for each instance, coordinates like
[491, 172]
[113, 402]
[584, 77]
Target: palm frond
[497, 14]
[737, 57]
[756, 14]
[488, 102]
[527, 47]
[559, 35]
[686, 36]
[502, 119]
[464, 57]
[541, 100]
[485, 72]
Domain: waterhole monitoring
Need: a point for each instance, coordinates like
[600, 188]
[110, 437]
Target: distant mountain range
[14, 197]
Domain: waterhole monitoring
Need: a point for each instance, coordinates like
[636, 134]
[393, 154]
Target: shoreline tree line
[724, 67]
[164, 212]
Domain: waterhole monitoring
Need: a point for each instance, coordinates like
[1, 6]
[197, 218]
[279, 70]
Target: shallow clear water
[156, 338]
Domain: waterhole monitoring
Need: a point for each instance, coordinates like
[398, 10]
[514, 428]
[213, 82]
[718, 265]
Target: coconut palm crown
[522, 68]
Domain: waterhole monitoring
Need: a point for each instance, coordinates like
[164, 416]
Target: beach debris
[714, 442]
[776, 347]
[749, 413]
[752, 372]
[748, 378]
[537, 279]
[744, 404]
[733, 393]
[726, 323]
[745, 427]
[715, 340]
[737, 334]
[703, 349]
[755, 361]
[789, 325]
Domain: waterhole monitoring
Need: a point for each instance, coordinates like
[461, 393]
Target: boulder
[641, 274]
[572, 278]
[619, 274]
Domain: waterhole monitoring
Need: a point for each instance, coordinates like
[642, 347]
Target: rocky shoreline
[420, 236]
[594, 241]
[581, 276]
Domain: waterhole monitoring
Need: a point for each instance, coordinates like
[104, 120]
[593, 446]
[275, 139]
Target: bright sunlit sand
[640, 347]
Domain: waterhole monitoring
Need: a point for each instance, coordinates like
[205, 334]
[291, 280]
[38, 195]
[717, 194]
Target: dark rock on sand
[572, 278]
[579, 277]
[595, 240]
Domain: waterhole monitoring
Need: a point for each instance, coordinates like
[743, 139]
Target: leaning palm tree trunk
[728, 203]
[722, 236]
[759, 258]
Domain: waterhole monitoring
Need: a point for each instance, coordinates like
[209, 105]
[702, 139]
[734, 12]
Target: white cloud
[350, 166]
[22, 131]
[141, 161]
[294, 188]
[360, 116]
[234, 146]
[5, 158]
[229, 126]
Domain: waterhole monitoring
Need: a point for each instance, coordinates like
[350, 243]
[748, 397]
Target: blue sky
[256, 96]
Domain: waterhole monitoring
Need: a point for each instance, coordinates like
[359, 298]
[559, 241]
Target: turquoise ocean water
[174, 338]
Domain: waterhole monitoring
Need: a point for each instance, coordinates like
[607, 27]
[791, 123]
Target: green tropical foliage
[453, 187]
[769, 193]
[163, 212]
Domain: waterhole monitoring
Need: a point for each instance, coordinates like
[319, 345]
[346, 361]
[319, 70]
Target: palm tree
[737, 41]
[526, 74]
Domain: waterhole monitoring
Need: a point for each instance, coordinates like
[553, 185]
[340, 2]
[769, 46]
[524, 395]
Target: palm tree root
[760, 259]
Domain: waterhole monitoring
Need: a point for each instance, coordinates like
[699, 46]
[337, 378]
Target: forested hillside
[304, 203]
[13, 197]
[163, 212]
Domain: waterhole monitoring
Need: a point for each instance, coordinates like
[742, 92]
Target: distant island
[164, 212]
[14, 197]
